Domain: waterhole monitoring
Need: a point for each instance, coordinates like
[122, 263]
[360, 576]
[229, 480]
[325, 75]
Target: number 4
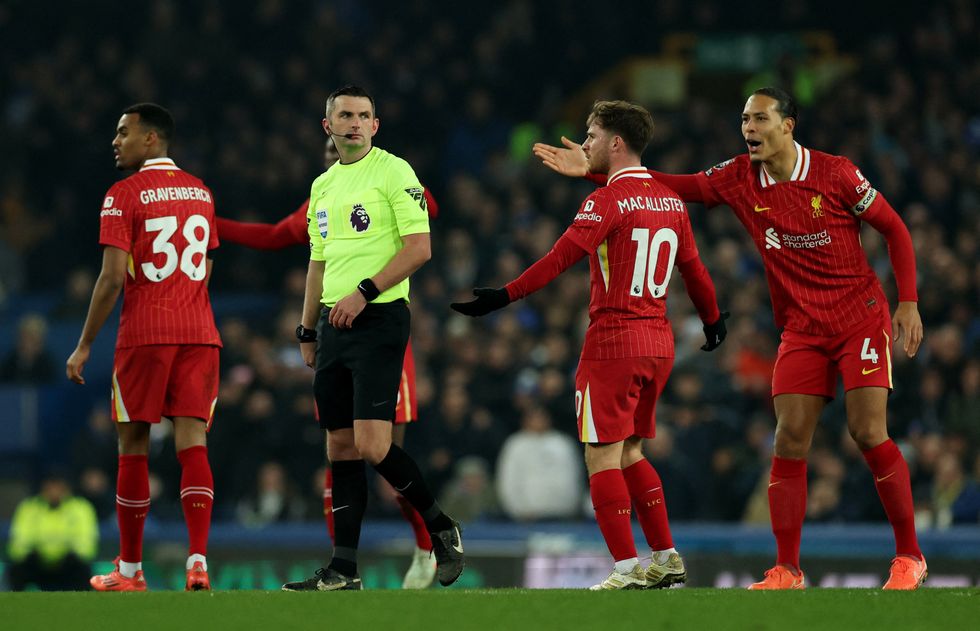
[869, 353]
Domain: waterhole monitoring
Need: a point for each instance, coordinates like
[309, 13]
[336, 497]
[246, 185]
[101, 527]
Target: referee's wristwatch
[304, 334]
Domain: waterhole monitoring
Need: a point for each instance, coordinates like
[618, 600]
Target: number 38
[165, 227]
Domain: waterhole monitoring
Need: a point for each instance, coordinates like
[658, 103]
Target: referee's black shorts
[358, 369]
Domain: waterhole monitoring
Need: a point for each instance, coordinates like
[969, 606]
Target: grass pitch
[498, 609]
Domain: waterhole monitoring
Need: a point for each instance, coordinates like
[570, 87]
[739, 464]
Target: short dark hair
[630, 121]
[785, 103]
[156, 117]
[350, 90]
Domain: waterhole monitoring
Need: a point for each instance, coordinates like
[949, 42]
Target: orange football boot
[114, 581]
[197, 579]
[780, 577]
[906, 573]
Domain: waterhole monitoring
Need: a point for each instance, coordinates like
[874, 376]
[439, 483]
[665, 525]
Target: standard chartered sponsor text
[813, 240]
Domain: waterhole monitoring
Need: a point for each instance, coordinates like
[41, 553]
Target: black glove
[715, 333]
[487, 300]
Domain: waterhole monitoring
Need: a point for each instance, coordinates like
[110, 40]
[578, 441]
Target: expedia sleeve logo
[359, 218]
[588, 214]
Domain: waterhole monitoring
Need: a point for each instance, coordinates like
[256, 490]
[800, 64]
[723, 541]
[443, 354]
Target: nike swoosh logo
[865, 371]
[458, 547]
[656, 488]
[337, 508]
[377, 405]
[759, 209]
[877, 479]
[403, 490]
[772, 484]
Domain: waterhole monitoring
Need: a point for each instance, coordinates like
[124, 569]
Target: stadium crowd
[248, 109]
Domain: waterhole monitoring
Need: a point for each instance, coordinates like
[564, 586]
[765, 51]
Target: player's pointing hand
[570, 161]
[487, 300]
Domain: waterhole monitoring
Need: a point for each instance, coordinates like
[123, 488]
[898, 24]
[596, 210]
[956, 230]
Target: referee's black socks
[350, 494]
[401, 472]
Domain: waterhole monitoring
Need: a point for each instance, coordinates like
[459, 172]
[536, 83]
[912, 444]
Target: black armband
[368, 289]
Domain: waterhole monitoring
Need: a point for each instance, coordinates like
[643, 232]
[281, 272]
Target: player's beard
[597, 163]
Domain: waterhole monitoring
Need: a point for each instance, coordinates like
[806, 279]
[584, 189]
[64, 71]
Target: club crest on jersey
[359, 219]
[719, 166]
[321, 223]
[816, 202]
[418, 195]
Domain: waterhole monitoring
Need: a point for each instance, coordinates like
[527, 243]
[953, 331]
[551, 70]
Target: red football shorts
[810, 364]
[617, 398]
[164, 380]
[407, 406]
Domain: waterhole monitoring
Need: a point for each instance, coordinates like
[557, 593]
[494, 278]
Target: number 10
[647, 254]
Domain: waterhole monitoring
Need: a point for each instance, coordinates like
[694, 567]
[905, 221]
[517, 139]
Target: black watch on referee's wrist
[304, 334]
[368, 289]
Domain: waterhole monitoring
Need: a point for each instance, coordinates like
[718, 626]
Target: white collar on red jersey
[637, 172]
[159, 164]
[800, 171]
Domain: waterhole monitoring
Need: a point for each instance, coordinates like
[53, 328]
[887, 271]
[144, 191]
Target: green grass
[498, 609]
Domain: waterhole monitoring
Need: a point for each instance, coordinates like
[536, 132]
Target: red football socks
[647, 492]
[895, 490]
[611, 501]
[328, 502]
[196, 496]
[787, 507]
[132, 505]
[422, 539]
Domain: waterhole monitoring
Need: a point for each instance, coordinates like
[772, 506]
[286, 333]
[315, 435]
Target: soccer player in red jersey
[157, 226]
[292, 230]
[803, 209]
[634, 230]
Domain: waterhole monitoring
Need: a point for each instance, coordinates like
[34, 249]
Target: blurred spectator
[29, 361]
[539, 473]
[469, 495]
[272, 500]
[53, 539]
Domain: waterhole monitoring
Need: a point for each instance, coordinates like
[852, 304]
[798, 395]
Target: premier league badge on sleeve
[321, 222]
[359, 219]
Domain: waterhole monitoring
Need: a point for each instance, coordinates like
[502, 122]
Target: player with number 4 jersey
[157, 227]
[634, 231]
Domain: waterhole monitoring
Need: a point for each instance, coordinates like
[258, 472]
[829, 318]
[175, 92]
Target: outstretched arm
[570, 161]
[907, 323]
[562, 255]
[291, 230]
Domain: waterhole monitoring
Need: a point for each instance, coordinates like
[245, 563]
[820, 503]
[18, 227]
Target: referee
[369, 230]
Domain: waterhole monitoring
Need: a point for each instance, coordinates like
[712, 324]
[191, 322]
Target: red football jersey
[634, 229]
[164, 218]
[809, 235]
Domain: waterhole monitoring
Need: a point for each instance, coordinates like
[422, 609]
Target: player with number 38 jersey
[157, 226]
[164, 218]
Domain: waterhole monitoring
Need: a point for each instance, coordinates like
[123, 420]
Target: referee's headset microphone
[347, 136]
